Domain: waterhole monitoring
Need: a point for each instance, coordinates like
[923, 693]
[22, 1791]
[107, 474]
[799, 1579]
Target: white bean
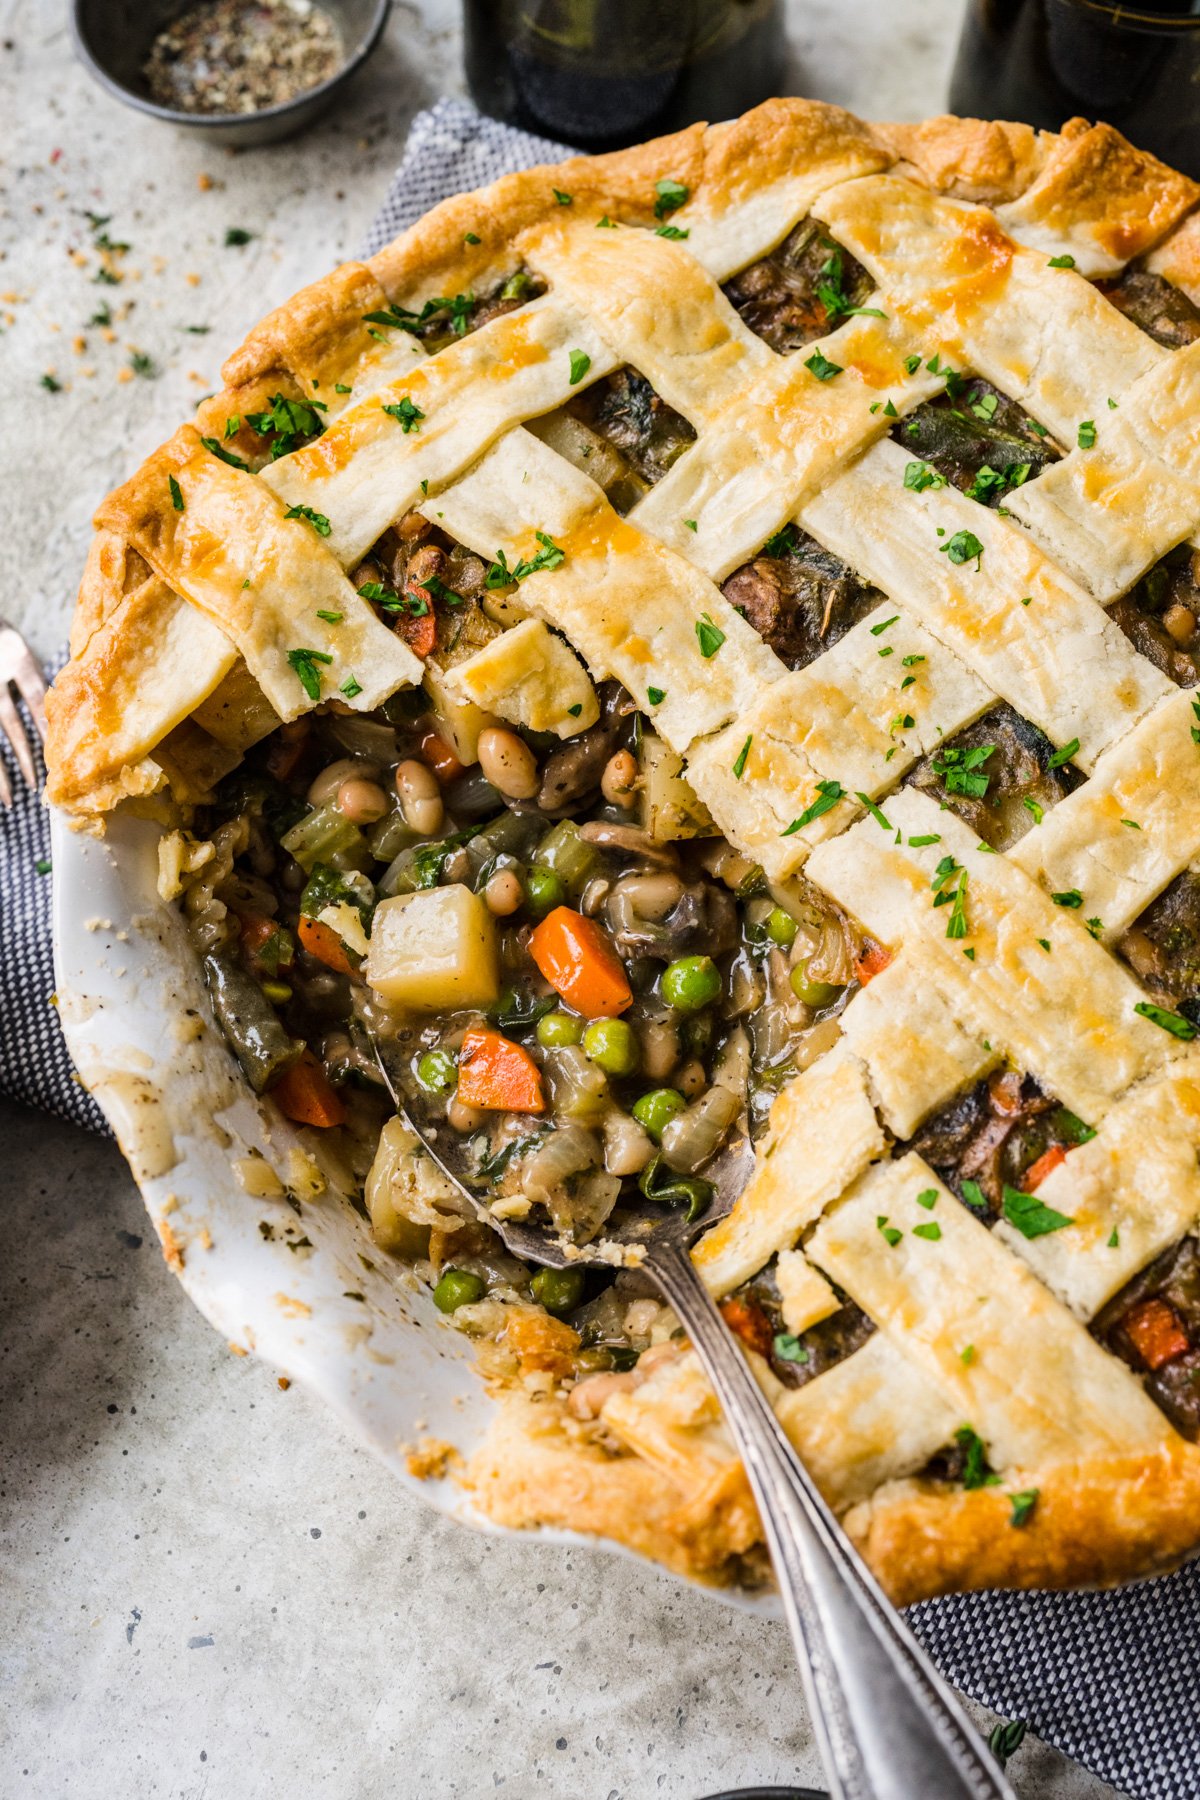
[503, 893]
[508, 763]
[617, 781]
[420, 797]
[362, 802]
[324, 788]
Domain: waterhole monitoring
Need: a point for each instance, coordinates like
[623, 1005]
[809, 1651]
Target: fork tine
[31, 686]
[5, 787]
[14, 731]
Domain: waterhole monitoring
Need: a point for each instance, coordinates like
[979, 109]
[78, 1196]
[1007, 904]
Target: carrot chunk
[306, 1095]
[1154, 1330]
[748, 1320]
[420, 633]
[1037, 1172]
[323, 942]
[577, 959]
[873, 959]
[441, 758]
[497, 1074]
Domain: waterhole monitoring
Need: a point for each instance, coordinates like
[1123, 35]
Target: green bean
[612, 1045]
[457, 1287]
[249, 1022]
[655, 1110]
[691, 983]
[558, 1290]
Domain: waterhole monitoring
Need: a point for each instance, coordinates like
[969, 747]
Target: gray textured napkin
[1112, 1679]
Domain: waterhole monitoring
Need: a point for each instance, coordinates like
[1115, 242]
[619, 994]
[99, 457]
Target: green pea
[457, 1287]
[544, 891]
[612, 1045]
[655, 1110]
[691, 983]
[781, 928]
[558, 1290]
[277, 992]
[813, 993]
[558, 1029]
[437, 1071]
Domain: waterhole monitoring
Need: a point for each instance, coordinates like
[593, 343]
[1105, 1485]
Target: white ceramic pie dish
[136, 1018]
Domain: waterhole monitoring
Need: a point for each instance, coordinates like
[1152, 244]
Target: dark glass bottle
[603, 73]
[1044, 61]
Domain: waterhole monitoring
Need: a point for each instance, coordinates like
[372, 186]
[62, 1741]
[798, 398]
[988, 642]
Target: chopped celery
[572, 860]
[323, 835]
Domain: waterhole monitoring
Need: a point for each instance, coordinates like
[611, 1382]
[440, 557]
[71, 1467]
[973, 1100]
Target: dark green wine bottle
[602, 73]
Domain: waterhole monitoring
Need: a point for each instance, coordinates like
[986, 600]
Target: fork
[19, 668]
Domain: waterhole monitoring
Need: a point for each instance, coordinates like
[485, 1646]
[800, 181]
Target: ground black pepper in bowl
[239, 56]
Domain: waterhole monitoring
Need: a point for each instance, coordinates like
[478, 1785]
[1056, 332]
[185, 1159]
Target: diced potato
[460, 721]
[668, 807]
[435, 948]
[530, 677]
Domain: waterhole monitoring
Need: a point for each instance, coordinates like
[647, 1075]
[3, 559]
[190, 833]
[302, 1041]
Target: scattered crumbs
[430, 1459]
[292, 1308]
[171, 1248]
[238, 1349]
[284, 1382]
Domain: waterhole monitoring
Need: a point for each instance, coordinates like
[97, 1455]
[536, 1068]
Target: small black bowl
[113, 39]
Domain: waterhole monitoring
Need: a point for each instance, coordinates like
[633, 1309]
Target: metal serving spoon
[887, 1725]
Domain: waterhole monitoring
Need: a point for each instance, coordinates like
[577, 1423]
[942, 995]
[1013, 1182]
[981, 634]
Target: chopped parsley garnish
[340, 387]
[218, 449]
[959, 769]
[330, 618]
[563, 199]
[1022, 1506]
[875, 812]
[912, 363]
[286, 422]
[1031, 1216]
[877, 630]
[1114, 1240]
[911, 660]
[671, 231]
[921, 475]
[739, 767]
[929, 837]
[949, 886]
[318, 521]
[670, 196]
[656, 696]
[458, 307]
[304, 662]
[436, 588]
[407, 415]
[974, 1195]
[781, 542]
[1005, 1739]
[963, 547]
[821, 367]
[51, 384]
[1064, 755]
[891, 1234]
[102, 315]
[235, 236]
[788, 1348]
[709, 636]
[985, 407]
[691, 524]
[581, 362]
[233, 425]
[548, 557]
[176, 493]
[42, 866]
[976, 1473]
[143, 365]
[1132, 824]
[967, 1355]
[1032, 806]
[932, 1231]
[574, 711]
[1087, 434]
[828, 795]
[1038, 430]
[350, 687]
[606, 224]
[1173, 1022]
[1094, 927]
[927, 1198]
[1061, 262]
[1070, 897]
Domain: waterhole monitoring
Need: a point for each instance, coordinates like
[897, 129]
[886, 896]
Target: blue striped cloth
[1112, 1679]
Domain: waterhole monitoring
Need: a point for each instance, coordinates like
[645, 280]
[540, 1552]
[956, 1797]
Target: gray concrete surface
[205, 1591]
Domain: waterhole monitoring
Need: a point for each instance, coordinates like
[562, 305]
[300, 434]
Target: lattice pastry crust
[199, 582]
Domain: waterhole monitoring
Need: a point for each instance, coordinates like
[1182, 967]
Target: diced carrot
[497, 1074]
[1004, 1092]
[286, 749]
[419, 633]
[873, 959]
[306, 1095]
[266, 945]
[323, 942]
[1037, 1172]
[579, 962]
[441, 758]
[750, 1322]
[1154, 1330]
[256, 931]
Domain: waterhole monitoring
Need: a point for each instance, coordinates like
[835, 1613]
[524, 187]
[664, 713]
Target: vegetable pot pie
[708, 634]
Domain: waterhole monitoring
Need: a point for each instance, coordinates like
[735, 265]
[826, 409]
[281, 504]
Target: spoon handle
[887, 1725]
